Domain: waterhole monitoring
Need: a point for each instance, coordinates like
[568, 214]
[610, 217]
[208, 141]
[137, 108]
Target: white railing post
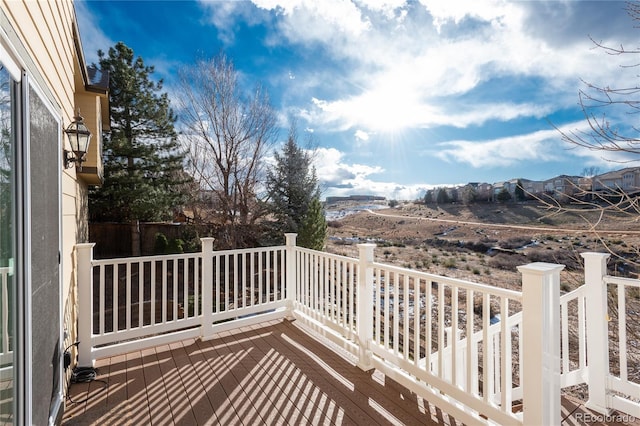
[84, 287]
[595, 267]
[541, 343]
[291, 273]
[364, 306]
[207, 287]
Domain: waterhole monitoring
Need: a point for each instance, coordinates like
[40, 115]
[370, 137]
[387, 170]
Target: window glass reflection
[7, 245]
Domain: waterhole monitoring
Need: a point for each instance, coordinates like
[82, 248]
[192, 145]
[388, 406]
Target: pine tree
[519, 191]
[294, 195]
[313, 229]
[503, 195]
[142, 159]
[442, 197]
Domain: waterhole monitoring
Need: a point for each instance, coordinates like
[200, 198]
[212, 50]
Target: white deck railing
[481, 353]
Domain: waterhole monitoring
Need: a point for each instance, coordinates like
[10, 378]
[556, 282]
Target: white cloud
[540, 146]
[332, 170]
[501, 152]
[456, 10]
[400, 70]
[338, 177]
[92, 37]
[314, 20]
[362, 135]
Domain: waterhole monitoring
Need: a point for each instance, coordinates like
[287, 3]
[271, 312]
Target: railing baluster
[343, 295]
[405, 319]
[128, 296]
[274, 275]
[454, 335]
[396, 313]
[174, 295]
[505, 357]
[164, 290]
[196, 286]
[325, 288]
[441, 329]
[428, 324]
[185, 288]
[487, 377]
[101, 304]
[251, 281]
[622, 332]
[140, 294]
[564, 321]
[114, 292]
[471, 362]
[237, 274]
[283, 274]
[582, 347]
[153, 265]
[416, 319]
[260, 280]
[352, 291]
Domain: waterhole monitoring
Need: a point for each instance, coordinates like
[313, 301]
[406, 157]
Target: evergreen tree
[142, 159]
[313, 229]
[442, 197]
[519, 191]
[468, 194]
[293, 189]
[429, 196]
[503, 195]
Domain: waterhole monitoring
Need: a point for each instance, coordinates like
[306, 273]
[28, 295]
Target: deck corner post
[364, 306]
[595, 268]
[207, 287]
[541, 343]
[290, 282]
[84, 288]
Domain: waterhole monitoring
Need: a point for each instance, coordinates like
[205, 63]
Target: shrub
[449, 263]
[161, 244]
[175, 246]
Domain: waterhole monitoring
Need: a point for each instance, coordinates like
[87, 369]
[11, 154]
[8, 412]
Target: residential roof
[98, 78]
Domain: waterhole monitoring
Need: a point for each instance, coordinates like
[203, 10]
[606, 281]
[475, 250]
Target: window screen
[45, 291]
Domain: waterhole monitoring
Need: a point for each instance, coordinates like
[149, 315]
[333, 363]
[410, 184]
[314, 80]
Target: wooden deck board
[272, 374]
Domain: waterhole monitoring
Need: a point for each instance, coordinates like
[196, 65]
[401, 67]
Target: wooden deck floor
[273, 374]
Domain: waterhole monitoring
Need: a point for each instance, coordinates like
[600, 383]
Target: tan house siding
[46, 29]
[42, 38]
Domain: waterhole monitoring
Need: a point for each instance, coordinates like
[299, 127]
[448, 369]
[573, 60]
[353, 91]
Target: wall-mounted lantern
[79, 137]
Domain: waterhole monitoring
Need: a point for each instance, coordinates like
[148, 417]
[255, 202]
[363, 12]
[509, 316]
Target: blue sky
[399, 96]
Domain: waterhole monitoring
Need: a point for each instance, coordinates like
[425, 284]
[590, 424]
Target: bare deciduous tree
[618, 140]
[228, 134]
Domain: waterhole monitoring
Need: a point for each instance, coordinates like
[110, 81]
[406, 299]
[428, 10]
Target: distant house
[483, 191]
[563, 186]
[533, 188]
[627, 180]
[44, 81]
